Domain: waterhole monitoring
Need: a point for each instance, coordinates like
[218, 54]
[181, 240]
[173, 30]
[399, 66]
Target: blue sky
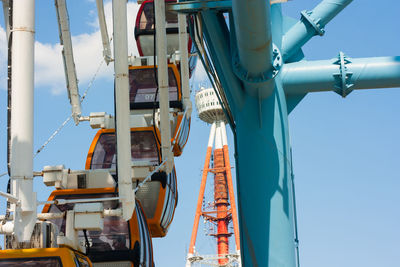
[345, 151]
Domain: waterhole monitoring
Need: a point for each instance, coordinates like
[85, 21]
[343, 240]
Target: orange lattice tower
[223, 210]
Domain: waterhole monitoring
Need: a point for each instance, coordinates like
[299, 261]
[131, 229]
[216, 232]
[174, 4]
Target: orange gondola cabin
[54, 257]
[158, 197]
[144, 99]
[121, 243]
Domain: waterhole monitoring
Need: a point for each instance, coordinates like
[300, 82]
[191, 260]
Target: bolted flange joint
[343, 86]
[244, 74]
[306, 15]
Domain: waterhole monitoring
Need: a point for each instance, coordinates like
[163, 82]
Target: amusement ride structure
[107, 214]
[210, 111]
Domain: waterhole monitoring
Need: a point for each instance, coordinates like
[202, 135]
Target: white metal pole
[122, 108]
[22, 118]
[183, 47]
[103, 30]
[223, 134]
[218, 136]
[163, 85]
[212, 135]
[68, 57]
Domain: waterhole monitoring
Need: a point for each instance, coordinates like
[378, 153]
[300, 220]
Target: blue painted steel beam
[312, 23]
[217, 38]
[191, 7]
[265, 200]
[329, 75]
[252, 25]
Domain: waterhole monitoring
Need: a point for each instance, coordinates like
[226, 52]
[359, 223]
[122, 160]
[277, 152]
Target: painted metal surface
[217, 35]
[265, 195]
[122, 108]
[254, 58]
[312, 23]
[191, 6]
[22, 90]
[163, 87]
[103, 30]
[219, 214]
[183, 40]
[324, 75]
[263, 171]
[68, 59]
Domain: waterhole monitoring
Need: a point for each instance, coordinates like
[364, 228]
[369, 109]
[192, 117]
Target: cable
[87, 245]
[210, 72]
[212, 77]
[57, 131]
[10, 23]
[53, 135]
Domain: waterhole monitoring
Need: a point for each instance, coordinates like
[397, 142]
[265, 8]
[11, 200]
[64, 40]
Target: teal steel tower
[254, 53]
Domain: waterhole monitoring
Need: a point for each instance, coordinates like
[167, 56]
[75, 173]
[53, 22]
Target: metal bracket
[313, 22]
[244, 75]
[343, 85]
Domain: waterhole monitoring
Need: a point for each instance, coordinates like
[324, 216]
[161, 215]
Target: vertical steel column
[122, 110]
[21, 157]
[263, 181]
[217, 35]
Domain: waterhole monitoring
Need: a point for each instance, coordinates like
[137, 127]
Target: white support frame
[104, 33]
[163, 85]
[183, 47]
[21, 157]
[122, 109]
[68, 57]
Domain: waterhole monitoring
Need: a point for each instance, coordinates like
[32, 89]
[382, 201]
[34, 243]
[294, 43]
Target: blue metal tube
[325, 75]
[312, 23]
[252, 21]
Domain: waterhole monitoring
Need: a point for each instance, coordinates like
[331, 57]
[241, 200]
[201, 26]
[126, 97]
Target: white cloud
[88, 53]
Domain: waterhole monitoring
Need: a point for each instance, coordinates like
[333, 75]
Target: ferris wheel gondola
[145, 32]
[121, 243]
[144, 98]
[159, 195]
